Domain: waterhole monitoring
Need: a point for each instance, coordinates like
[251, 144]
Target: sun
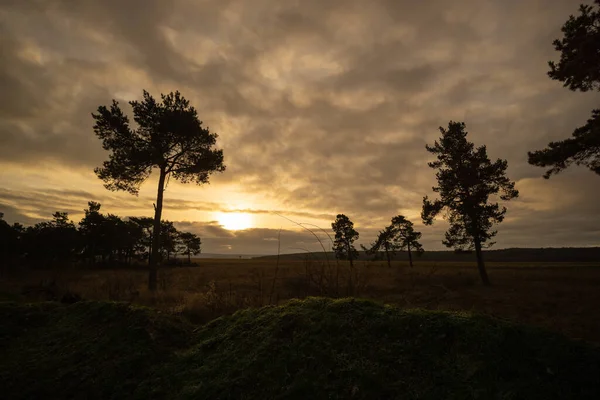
[235, 221]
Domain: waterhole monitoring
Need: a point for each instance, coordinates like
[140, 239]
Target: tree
[578, 69]
[385, 240]
[118, 239]
[145, 224]
[168, 137]
[399, 235]
[579, 65]
[169, 238]
[345, 235]
[405, 236]
[583, 148]
[52, 242]
[466, 179]
[189, 244]
[90, 228]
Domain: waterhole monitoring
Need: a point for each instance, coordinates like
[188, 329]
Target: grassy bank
[314, 348]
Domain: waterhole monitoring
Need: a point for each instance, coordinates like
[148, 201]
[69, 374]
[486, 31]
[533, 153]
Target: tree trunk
[480, 264]
[189, 257]
[387, 254]
[409, 256]
[153, 273]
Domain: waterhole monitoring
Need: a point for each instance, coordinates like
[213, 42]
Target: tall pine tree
[466, 180]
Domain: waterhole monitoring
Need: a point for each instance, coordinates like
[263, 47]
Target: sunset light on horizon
[316, 115]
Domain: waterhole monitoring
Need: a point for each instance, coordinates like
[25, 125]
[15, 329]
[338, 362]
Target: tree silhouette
[578, 69]
[579, 65]
[58, 242]
[168, 137]
[345, 235]
[399, 235]
[90, 228]
[405, 236]
[189, 244]
[466, 179]
[169, 238]
[386, 241]
[52, 243]
[146, 225]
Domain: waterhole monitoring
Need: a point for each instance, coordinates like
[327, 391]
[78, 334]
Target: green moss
[315, 348]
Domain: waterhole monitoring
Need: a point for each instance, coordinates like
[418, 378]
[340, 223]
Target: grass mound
[87, 350]
[320, 348]
[310, 349]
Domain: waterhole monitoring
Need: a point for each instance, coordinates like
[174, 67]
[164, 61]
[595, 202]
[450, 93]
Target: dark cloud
[322, 107]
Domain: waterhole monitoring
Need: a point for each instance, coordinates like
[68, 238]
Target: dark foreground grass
[89, 350]
[311, 349]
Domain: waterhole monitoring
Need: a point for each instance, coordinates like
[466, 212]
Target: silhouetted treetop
[345, 235]
[190, 244]
[579, 65]
[169, 136]
[400, 234]
[466, 179]
[578, 69]
[583, 148]
[406, 236]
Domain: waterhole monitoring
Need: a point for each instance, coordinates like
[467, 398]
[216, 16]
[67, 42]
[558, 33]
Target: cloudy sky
[322, 107]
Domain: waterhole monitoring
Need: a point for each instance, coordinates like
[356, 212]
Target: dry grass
[562, 297]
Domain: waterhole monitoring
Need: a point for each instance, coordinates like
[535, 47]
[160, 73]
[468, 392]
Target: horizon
[320, 109]
[235, 255]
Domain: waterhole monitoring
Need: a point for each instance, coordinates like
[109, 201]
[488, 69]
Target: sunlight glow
[235, 220]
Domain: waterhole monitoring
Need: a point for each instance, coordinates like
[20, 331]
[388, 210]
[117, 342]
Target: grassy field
[562, 297]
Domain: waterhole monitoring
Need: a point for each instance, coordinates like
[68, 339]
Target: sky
[321, 107]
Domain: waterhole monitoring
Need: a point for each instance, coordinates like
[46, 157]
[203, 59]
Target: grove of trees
[97, 240]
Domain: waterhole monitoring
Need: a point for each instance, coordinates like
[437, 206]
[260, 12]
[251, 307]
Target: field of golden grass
[563, 297]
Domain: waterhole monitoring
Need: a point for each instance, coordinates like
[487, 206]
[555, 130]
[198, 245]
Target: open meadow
[562, 297]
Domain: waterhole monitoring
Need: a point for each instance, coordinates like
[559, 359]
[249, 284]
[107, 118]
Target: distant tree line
[97, 240]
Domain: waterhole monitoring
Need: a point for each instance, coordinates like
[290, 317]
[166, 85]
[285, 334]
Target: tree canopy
[406, 237]
[384, 241]
[345, 235]
[579, 65]
[583, 148]
[168, 137]
[399, 235]
[578, 69]
[466, 179]
[190, 244]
